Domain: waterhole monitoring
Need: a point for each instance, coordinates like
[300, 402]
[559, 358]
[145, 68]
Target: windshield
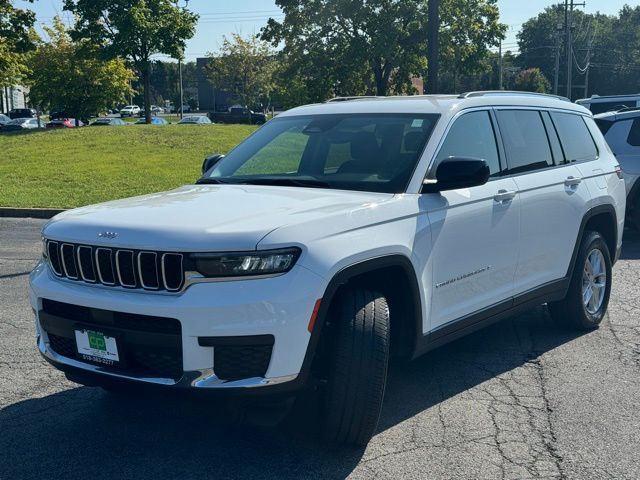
[366, 152]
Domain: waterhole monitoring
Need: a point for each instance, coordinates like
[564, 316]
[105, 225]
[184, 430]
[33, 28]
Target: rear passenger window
[575, 138]
[472, 135]
[634, 134]
[525, 140]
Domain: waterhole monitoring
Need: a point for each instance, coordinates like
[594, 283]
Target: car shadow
[630, 245]
[85, 432]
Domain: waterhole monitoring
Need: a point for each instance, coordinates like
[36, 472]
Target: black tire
[357, 373]
[572, 311]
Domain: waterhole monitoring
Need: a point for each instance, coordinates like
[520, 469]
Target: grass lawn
[70, 168]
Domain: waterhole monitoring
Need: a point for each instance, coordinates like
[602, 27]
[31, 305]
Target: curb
[45, 213]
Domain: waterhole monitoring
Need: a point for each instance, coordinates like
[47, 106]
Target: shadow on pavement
[87, 433]
[630, 245]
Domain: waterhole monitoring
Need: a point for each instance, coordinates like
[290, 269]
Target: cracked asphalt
[520, 399]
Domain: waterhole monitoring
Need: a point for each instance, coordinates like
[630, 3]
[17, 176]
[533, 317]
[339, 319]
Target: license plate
[97, 347]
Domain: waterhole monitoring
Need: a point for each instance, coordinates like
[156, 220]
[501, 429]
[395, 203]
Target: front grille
[117, 267]
[235, 362]
[149, 346]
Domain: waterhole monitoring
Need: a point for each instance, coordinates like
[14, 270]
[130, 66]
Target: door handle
[504, 196]
[572, 182]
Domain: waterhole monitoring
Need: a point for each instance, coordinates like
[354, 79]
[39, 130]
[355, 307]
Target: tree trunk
[146, 78]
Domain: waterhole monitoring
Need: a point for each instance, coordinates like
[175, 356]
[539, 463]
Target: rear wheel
[357, 367]
[588, 296]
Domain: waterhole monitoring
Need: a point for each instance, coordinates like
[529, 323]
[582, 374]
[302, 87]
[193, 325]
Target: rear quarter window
[575, 138]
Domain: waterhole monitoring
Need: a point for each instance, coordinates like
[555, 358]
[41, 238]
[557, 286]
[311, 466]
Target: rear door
[474, 230]
[552, 193]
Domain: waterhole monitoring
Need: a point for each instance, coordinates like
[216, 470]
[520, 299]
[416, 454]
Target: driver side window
[471, 135]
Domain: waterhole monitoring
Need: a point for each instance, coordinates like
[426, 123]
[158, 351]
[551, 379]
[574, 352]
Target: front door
[474, 230]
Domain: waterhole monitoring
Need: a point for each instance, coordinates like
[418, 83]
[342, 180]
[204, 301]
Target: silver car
[621, 129]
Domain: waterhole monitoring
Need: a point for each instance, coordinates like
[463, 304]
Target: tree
[376, 46]
[70, 76]
[244, 67]
[16, 40]
[532, 80]
[135, 30]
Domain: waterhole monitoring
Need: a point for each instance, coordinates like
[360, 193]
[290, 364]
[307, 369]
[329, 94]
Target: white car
[621, 130]
[335, 237]
[130, 111]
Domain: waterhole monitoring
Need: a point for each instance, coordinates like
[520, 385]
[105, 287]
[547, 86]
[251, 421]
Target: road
[520, 399]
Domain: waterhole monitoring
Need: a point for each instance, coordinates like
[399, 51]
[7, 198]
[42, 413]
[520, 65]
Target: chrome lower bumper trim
[203, 379]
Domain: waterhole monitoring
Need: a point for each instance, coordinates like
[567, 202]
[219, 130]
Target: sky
[224, 17]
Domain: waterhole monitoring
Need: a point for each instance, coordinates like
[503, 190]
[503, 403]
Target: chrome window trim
[98, 265]
[133, 268]
[64, 265]
[155, 258]
[164, 275]
[79, 264]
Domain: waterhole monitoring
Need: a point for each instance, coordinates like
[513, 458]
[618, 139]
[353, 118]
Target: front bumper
[280, 306]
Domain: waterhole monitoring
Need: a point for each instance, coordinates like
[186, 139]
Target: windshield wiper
[285, 182]
[211, 181]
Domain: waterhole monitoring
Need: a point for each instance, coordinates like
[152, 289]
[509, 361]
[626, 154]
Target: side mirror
[210, 162]
[458, 172]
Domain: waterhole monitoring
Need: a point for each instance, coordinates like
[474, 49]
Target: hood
[203, 217]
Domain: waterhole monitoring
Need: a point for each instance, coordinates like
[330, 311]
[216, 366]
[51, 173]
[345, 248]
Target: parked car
[108, 121]
[4, 119]
[386, 228]
[65, 123]
[130, 111]
[195, 120]
[22, 113]
[238, 115]
[154, 121]
[609, 103]
[155, 110]
[19, 124]
[621, 129]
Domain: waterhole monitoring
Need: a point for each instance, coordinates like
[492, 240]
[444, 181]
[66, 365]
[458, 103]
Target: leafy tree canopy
[376, 46]
[532, 80]
[244, 67]
[16, 39]
[71, 77]
[135, 30]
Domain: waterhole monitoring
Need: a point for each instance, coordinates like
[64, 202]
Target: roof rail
[346, 99]
[627, 109]
[488, 93]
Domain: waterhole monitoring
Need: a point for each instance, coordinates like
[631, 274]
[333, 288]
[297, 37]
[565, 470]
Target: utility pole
[556, 71]
[500, 87]
[433, 53]
[181, 89]
[568, 25]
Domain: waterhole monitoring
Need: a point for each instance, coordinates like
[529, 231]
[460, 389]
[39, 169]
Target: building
[210, 98]
[13, 97]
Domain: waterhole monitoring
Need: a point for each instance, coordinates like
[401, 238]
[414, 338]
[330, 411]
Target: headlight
[267, 262]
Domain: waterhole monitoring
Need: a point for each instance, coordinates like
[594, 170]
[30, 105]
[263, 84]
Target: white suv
[130, 111]
[334, 237]
[621, 130]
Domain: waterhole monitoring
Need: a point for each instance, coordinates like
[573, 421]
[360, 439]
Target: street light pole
[186, 4]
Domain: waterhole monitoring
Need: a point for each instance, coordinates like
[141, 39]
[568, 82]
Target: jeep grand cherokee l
[334, 237]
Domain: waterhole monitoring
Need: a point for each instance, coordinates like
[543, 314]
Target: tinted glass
[472, 135]
[603, 125]
[525, 140]
[634, 134]
[367, 152]
[575, 138]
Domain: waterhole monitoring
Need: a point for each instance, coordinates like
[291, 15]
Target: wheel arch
[603, 219]
[394, 276]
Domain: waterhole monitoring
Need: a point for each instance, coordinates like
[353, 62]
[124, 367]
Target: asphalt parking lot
[521, 399]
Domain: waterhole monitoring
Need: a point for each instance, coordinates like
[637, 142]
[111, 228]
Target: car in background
[4, 119]
[609, 103]
[22, 113]
[64, 123]
[155, 110]
[195, 120]
[621, 130]
[108, 121]
[130, 111]
[20, 124]
[154, 121]
[238, 115]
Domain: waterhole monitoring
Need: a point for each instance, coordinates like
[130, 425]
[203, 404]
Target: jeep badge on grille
[109, 235]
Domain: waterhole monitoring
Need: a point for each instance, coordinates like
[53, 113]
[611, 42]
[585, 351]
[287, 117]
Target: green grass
[70, 168]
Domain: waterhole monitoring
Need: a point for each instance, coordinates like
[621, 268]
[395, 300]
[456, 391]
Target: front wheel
[357, 367]
[588, 296]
